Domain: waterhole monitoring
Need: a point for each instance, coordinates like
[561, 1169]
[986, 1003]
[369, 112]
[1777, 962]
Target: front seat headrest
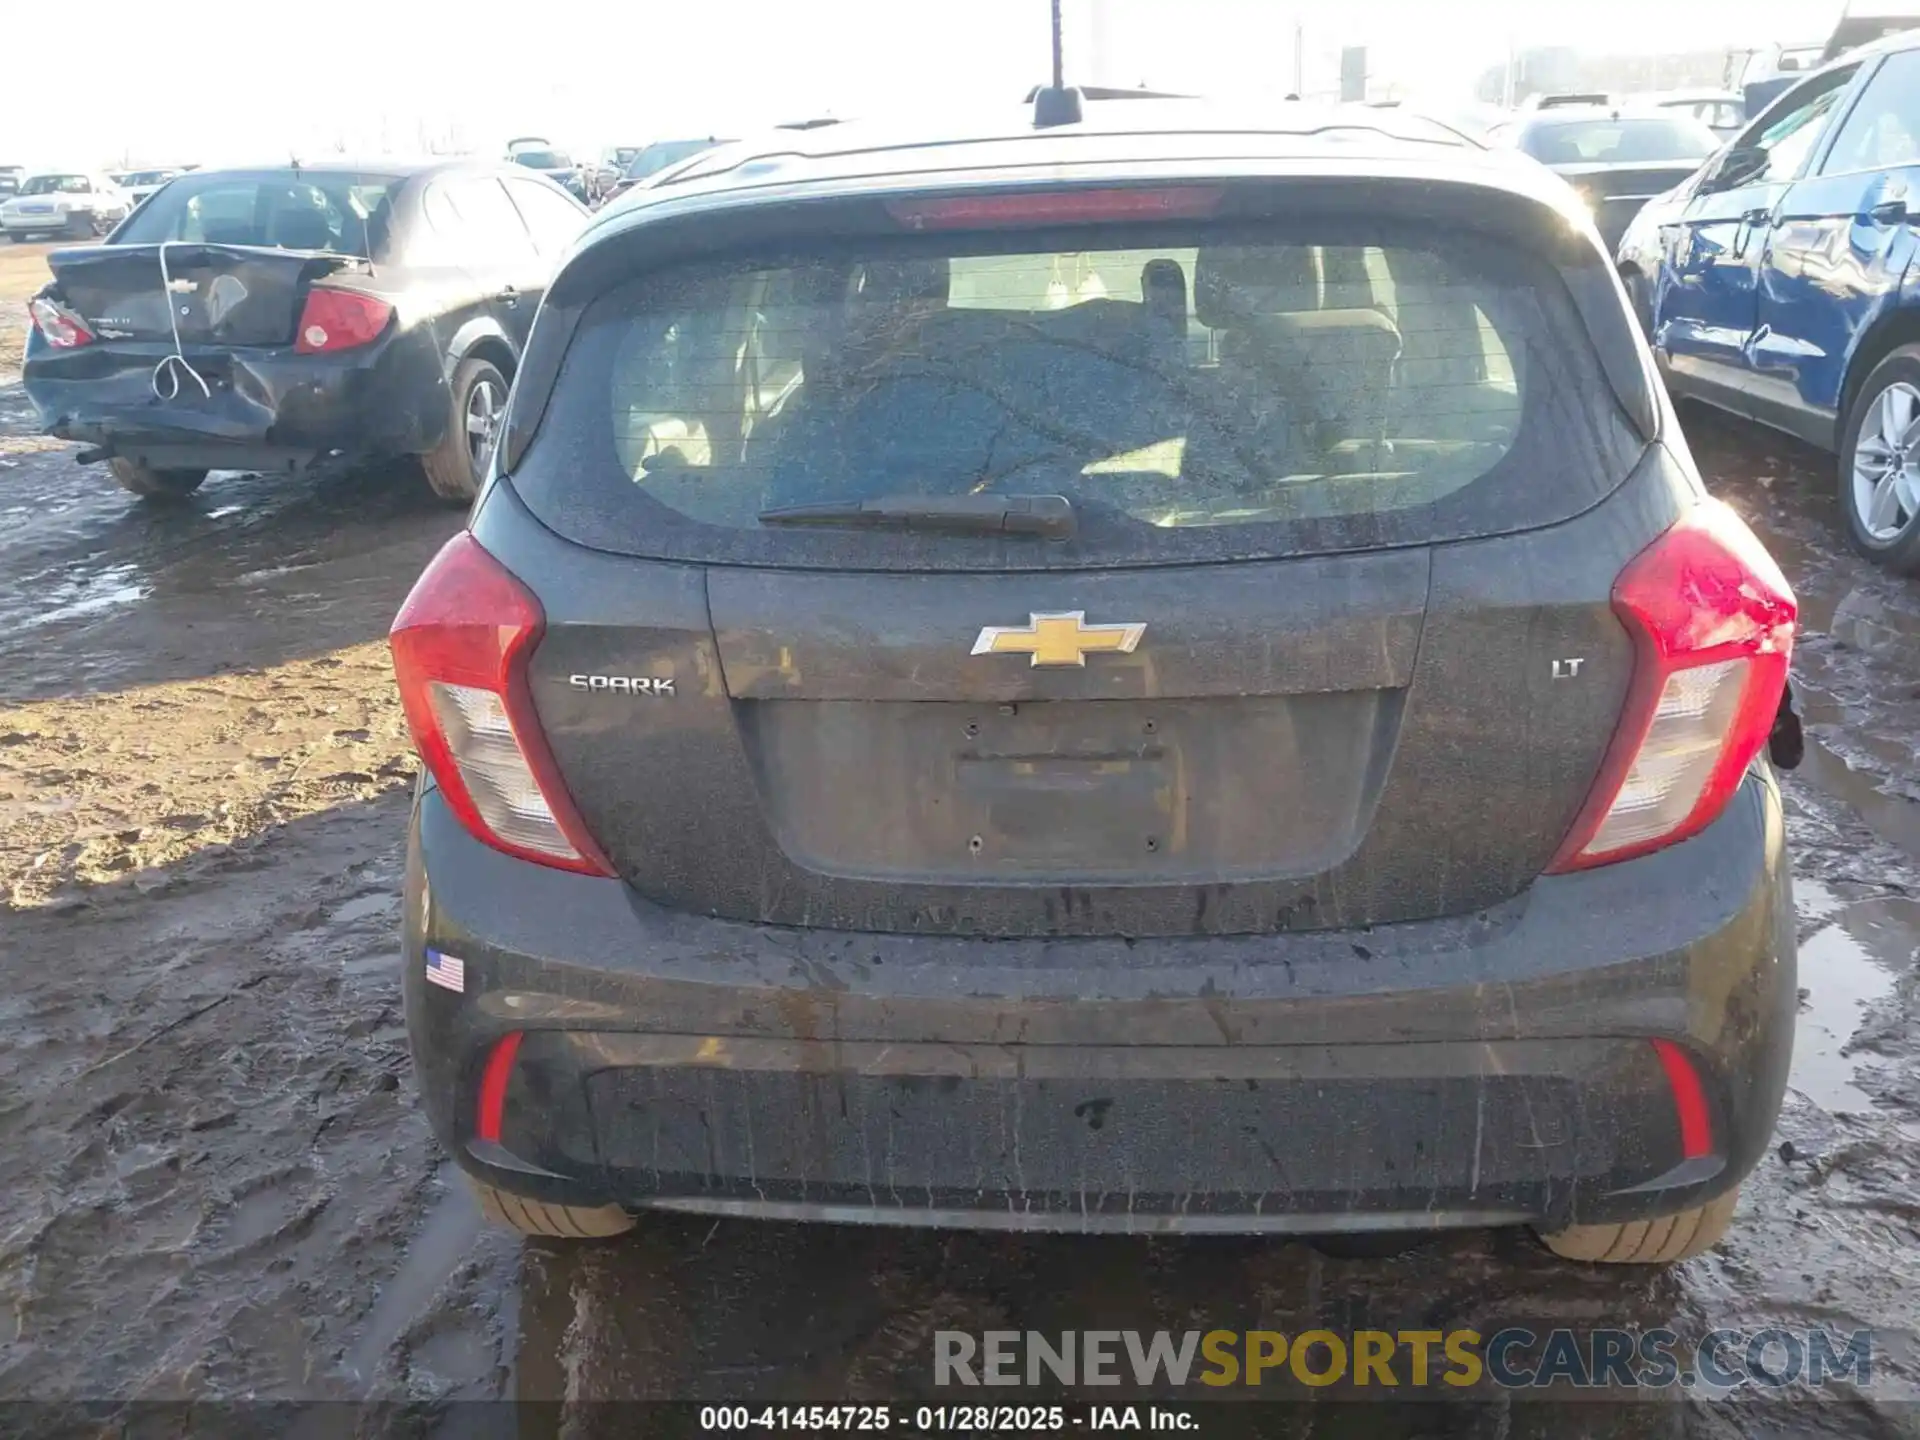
[1231, 283]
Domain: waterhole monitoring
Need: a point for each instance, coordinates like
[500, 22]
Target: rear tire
[1884, 525]
[560, 1222]
[1641, 301]
[456, 466]
[152, 484]
[1662, 1241]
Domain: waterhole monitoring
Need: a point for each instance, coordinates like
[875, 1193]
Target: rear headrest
[227, 232]
[895, 281]
[1231, 283]
[1163, 286]
[302, 229]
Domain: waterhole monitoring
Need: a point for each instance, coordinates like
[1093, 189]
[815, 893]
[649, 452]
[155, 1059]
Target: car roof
[1196, 139]
[398, 167]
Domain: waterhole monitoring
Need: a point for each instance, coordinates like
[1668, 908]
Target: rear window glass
[1243, 392]
[1621, 142]
[344, 213]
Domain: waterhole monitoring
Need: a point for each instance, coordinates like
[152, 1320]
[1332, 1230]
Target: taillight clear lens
[1712, 619]
[460, 645]
[339, 320]
[480, 735]
[64, 329]
[1675, 763]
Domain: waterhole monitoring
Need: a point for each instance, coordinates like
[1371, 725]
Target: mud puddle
[1850, 965]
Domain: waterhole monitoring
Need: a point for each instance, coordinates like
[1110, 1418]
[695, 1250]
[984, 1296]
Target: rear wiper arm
[1050, 516]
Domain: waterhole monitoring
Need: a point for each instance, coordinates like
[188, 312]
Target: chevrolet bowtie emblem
[1057, 638]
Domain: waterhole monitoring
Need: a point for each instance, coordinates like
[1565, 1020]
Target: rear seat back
[1335, 364]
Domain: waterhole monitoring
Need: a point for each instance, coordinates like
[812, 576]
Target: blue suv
[1778, 282]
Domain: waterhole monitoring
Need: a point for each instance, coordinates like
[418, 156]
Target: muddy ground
[219, 1184]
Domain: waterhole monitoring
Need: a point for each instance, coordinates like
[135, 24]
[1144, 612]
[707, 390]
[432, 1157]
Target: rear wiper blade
[1050, 516]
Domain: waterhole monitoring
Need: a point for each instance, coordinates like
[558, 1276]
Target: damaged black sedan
[267, 319]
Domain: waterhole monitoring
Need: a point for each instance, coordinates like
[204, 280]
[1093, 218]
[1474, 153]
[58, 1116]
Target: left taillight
[460, 648]
[63, 329]
[1712, 620]
[339, 320]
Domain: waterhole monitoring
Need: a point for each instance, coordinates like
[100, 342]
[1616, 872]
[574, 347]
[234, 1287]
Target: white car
[139, 184]
[72, 203]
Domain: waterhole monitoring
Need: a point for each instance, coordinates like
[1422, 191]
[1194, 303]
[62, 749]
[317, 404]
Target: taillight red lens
[64, 329]
[1056, 207]
[1712, 619]
[460, 647]
[339, 320]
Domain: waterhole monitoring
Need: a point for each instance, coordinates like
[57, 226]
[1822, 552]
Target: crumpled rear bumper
[267, 407]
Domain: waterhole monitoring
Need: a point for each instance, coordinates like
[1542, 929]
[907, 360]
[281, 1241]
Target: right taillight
[339, 320]
[460, 646]
[1712, 622]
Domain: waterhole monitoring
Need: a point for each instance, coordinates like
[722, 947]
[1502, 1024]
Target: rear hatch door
[1295, 668]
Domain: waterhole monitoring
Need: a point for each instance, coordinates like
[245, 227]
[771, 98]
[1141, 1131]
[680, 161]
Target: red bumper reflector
[1689, 1101]
[493, 1087]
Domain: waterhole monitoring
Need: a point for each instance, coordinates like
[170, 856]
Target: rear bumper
[1491, 1069]
[269, 408]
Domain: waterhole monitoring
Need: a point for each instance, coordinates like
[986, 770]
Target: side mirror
[1736, 166]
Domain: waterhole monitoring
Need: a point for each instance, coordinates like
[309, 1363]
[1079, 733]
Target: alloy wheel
[484, 404]
[1886, 464]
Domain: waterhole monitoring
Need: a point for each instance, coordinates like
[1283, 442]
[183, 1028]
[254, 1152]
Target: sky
[234, 84]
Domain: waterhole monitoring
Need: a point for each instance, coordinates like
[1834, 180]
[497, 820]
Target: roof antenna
[1056, 104]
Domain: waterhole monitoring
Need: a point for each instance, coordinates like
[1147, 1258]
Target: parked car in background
[139, 184]
[12, 177]
[264, 319]
[1178, 679]
[1779, 283]
[656, 158]
[1617, 159]
[533, 153]
[1770, 72]
[1721, 111]
[72, 203]
[615, 161]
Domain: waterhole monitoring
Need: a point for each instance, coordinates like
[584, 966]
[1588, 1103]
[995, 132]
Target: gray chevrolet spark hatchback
[1150, 674]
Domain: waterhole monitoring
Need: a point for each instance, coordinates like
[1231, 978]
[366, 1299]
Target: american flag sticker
[447, 971]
